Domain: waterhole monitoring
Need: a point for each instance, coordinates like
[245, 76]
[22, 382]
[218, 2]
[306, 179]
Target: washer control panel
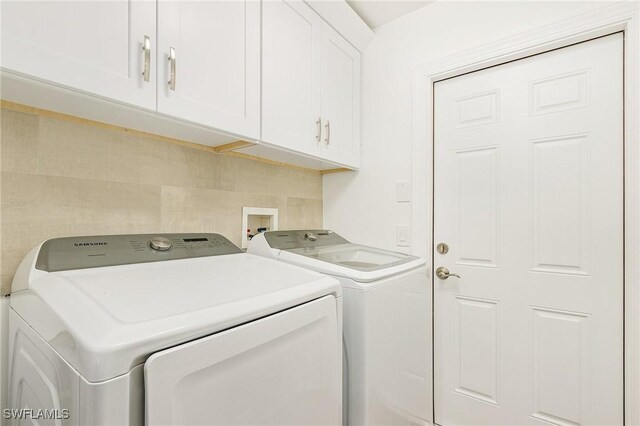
[64, 254]
[287, 240]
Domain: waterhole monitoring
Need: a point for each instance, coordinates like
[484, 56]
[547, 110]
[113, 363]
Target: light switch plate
[403, 191]
[403, 236]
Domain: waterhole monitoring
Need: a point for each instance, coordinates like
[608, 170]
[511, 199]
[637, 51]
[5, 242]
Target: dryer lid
[105, 320]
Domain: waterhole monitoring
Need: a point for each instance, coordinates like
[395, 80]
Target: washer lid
[305, 238]
[327, 252]
[106, 320]
[355, 256]
[359, 263]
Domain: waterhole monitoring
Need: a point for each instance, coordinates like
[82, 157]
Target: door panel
[94, 46]
[284, 369]
[477, 348]
[291, 39]
[529, 197]
[560, 191]
[560, 344]
[217, 50]
[340, 98]
[478, 201]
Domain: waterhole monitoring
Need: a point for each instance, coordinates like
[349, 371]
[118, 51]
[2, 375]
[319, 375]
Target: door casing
[600, 22]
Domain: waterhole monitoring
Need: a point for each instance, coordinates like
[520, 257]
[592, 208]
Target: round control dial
[160, 244]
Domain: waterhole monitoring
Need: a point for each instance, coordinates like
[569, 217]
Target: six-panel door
[214, 76]
[528, 196]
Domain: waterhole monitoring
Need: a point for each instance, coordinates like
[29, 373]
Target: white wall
[362, 206]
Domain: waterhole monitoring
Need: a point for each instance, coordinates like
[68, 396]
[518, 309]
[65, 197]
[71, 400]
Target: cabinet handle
[146, 48]
[318, 129]
[172, 62]
[327, 138]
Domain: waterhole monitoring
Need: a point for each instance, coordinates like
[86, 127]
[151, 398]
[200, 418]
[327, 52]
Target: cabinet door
[340, 99]
[216, 77]
[291, 39]
[93, 46]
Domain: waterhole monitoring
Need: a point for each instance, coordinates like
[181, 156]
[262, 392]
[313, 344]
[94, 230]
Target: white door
[340, 98]
[92, 46]
[213, 77]
[529, 198]
[291, 37]
[285, 369]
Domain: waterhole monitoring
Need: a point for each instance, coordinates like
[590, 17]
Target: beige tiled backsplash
[61, 178]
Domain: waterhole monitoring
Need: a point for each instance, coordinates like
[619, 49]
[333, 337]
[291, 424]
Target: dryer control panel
[64, 254]
[288, 240]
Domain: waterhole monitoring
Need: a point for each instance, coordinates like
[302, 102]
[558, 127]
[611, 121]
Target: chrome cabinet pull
[146, 48]
[172, 62]
[318, 129]
[327, 138]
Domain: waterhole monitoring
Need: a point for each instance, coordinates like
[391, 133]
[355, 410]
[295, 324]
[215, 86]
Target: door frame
[618, 17]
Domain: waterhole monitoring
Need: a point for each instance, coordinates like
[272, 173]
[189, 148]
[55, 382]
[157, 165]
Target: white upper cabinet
[93, 46]
[310, 85]
[340, 99]
[291, 39]
[272, 72]
[209, 53]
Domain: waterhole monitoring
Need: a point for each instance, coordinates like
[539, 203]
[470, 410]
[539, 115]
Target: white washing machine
[387, 322]
[178, 329]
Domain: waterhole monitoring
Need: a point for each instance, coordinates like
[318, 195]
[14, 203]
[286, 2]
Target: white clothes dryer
[387, 322]
[178, 329]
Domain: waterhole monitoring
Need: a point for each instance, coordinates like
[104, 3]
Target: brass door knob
[443, 273]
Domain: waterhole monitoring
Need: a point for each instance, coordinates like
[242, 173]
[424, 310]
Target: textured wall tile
[61, 178]
[312, 186]
[35, 208]
[19, 141]
[255, 177]
[302, 184]
[201, 169]
[90, 152]
[304, 213]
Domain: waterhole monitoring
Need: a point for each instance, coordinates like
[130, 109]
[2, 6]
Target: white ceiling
[379, 12]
